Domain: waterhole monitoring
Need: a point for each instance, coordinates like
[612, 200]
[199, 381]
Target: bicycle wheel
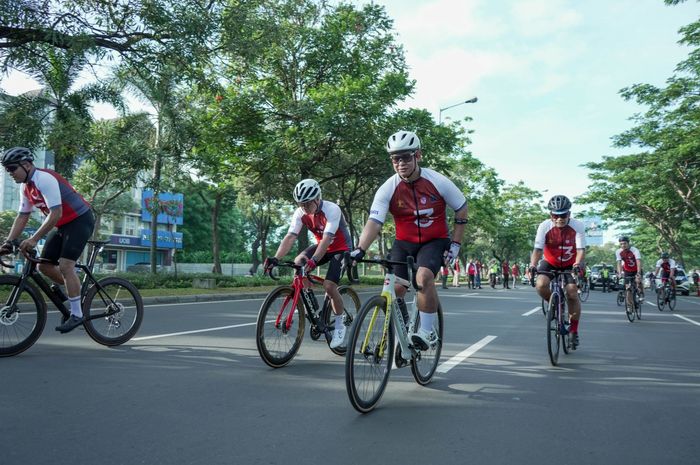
[629, 305]
[351, 305]
[425, 363]
[585, 291]
[660, 299]
[278, 344]
[637, 306]
[545, 306]
[564, 330]
[21, 324]
[620, 298]
[113, 311]
[553, 334]
[370, 355]
[671, 300]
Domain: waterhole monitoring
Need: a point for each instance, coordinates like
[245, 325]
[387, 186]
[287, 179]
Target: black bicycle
[557, 316]
[112, 306]
[632, 300]
[280, 326]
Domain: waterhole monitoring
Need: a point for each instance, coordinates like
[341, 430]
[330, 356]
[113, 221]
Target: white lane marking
[460, 357]
[534, 310]
[182, 333]
[687, 319]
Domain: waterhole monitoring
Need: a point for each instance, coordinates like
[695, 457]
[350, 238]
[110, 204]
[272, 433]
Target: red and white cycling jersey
[666, 267]
[48, 189]
[560, 244]
[629, 259]
[328, 219]
[418, 207]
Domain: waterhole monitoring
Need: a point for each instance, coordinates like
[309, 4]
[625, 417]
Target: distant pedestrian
[515, 271]
[505, 266]
[471, 274]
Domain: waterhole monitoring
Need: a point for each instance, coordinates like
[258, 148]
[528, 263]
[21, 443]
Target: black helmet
[559, 204]
[15, 155]
[623, 239]
[664, 255]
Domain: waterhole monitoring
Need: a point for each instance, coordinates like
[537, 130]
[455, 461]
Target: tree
[57, 117]
[114, 160]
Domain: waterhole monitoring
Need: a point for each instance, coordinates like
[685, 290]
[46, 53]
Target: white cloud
[540, 18]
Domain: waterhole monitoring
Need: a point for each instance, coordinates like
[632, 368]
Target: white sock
[75, 308]
[427, 320]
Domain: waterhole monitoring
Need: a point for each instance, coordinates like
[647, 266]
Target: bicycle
[280, 325]
[557, 316]
[633, 305]
[371, 348]
[112, 307]
[665, 295]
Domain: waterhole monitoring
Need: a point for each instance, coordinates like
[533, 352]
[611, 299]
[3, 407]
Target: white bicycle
[371, 348]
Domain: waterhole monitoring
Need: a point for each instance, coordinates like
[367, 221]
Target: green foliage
[7, 218]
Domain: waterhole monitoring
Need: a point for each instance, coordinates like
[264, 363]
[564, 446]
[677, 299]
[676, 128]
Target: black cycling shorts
[546, 267]
[334, 260]
[630, 277]
[428, 255]
[68, 241]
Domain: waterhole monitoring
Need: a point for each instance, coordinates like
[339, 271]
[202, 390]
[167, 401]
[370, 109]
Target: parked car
[142, 267]
[597, 279]
[682, 282]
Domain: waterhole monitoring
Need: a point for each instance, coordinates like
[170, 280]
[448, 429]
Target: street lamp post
[471, 100]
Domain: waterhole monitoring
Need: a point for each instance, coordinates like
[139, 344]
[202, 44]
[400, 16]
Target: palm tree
[56, 117]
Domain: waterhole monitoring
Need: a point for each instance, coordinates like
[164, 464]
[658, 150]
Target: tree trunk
[254, 254]
[216, 248]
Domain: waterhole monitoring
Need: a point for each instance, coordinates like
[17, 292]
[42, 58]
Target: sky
[547, 75]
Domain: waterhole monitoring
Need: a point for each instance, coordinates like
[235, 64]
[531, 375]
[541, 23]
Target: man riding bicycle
[65, 210]
[418, 199]
[326, 222]
[629, 261]
[562, 240]
[667, 266]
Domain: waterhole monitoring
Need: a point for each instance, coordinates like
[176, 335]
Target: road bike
[112, 307]
[557, 316]
[280, 325]
[371, 347]
[632, 299]
[665, 295]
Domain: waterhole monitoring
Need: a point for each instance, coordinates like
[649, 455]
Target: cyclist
[562, 240]
[65, 210]
[418, 199]
[326, 222]
[629, 261]
[667, 266]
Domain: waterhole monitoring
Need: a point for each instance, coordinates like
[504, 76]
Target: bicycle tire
[19, 331]
[424, 364]
[278, 346]
[672, 300]
[545, 306]
[370, 355]
[116, 295]
[351, 305]
[564, 333]
[620, 298]
[553, 334]
[585, 292]
[660, 299]
[629, 305]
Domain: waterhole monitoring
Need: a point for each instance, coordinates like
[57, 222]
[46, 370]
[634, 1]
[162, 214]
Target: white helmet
[305, 190]
[401, 141]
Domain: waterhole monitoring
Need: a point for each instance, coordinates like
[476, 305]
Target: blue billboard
[168, 206]
[164, 239]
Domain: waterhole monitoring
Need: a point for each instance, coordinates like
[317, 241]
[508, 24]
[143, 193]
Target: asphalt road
[191, 389]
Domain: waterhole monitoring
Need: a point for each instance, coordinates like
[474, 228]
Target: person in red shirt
[515, 271]
[69, 224]
[326, 222]
[418, 199]
[562, 241]
[505, 269]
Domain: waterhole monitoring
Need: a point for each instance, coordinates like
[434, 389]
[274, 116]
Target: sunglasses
[404, 157]
[11, 168]
[560, 215]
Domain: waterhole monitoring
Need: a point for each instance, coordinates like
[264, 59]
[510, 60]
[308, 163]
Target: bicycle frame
[389, 293]
[30, 272]
[298, 285]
